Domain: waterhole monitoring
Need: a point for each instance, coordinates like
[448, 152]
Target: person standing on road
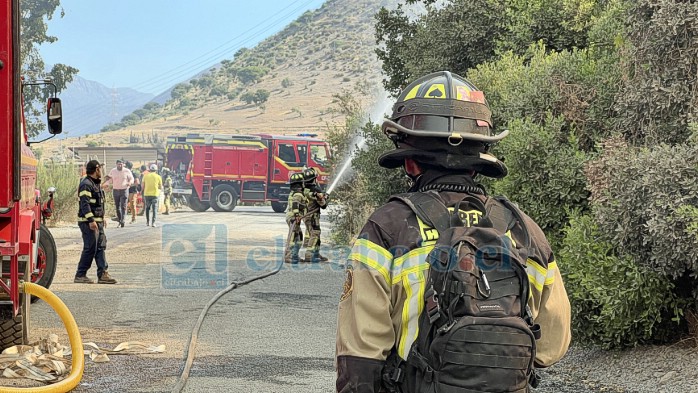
[167, 188]
[316, 201]
[391, 307]
[91, 222]
[133, 190]
[297, 208]
[122, 179]
[152, 184]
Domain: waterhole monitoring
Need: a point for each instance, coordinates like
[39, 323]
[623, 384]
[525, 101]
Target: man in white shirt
[121, 179]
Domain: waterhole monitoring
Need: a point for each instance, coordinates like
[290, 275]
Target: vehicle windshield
[318, 153]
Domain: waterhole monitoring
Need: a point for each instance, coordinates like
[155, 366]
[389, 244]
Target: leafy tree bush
[580, 86]
[615, 301]
[251, 74]
[658, 99]
[35, 16]
[179, 90]
[546, 175]
[65, 177]
[565, 76]
[645, 204]
[257, 97]
[437, 40]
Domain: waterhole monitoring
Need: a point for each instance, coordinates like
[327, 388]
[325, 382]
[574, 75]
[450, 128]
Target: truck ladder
[208, 172]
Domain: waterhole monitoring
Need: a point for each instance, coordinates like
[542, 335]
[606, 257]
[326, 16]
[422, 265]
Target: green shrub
[645, 201]
[66, 178]
[658, 97]
[615, 301]
[546, 174]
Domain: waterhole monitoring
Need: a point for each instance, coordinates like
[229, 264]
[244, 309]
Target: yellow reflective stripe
[92, 201]
[373, 256]
[401, 348]
[366, 260]
[96, 219]
[412, 256]
[414, 284]
[85, 193]
[550, 277]
[537, 274]
[88, 215]
[414, 269]
[412, 262]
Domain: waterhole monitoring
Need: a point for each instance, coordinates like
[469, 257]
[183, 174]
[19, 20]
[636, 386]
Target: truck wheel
[46, 260]
[279, 207]
[11, 329]
[224, 198]
[15, 330]
[196, 204]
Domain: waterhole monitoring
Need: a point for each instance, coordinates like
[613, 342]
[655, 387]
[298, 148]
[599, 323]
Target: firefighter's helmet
[296, 178]
[444, 120]
[309, 175]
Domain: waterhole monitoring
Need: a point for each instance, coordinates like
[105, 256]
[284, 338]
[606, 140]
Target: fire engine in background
[215, 170]
[27, 249]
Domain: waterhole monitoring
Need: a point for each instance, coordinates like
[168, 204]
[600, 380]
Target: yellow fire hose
[78, 357]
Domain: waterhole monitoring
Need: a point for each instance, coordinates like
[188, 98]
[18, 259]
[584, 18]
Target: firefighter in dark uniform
[91, 222]
[442, 130]
[297, 208]
[316, 201]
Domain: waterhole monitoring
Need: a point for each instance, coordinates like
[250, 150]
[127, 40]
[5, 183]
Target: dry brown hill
[324, 52]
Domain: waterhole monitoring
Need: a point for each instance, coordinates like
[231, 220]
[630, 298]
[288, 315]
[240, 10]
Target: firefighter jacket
[91, 196]
[297, 204]
[383, 293]
[167, 185]
[316, 200]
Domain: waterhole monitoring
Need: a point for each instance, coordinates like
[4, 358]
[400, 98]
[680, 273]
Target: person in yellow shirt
[152, 184]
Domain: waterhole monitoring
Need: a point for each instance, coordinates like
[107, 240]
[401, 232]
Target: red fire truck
[27, 249]
[215, 170]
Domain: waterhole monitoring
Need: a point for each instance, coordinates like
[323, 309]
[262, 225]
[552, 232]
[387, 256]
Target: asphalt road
[274, 335]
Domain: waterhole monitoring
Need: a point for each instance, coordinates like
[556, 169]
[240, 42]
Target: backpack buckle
[432, 305]
[397, 375]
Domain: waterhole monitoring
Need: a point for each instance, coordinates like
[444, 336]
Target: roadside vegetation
[600, 99]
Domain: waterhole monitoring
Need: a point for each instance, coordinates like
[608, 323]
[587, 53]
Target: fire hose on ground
[78, 355]
[189, 354]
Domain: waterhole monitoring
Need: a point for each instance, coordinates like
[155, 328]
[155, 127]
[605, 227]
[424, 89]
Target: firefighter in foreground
[297, 208]
[91, 222]
[478, 331]
[317, 200]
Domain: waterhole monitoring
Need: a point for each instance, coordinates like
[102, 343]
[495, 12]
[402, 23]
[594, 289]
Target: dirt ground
[274, 335]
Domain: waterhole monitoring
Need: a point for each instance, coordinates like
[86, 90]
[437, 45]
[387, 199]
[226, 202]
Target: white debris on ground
[46, 360]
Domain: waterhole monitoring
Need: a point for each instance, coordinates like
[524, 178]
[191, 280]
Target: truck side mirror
[54, 116]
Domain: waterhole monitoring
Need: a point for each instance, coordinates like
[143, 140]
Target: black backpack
[476, 333]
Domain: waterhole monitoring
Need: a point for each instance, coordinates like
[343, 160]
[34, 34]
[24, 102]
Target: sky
[150, 45]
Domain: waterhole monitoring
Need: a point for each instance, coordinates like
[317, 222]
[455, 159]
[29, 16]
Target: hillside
[324, 52]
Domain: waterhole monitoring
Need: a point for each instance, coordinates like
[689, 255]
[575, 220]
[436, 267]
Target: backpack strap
[504, 215]
[429, 207]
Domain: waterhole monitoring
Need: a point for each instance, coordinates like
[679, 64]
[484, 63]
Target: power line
[167, 77]
[209, 61]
